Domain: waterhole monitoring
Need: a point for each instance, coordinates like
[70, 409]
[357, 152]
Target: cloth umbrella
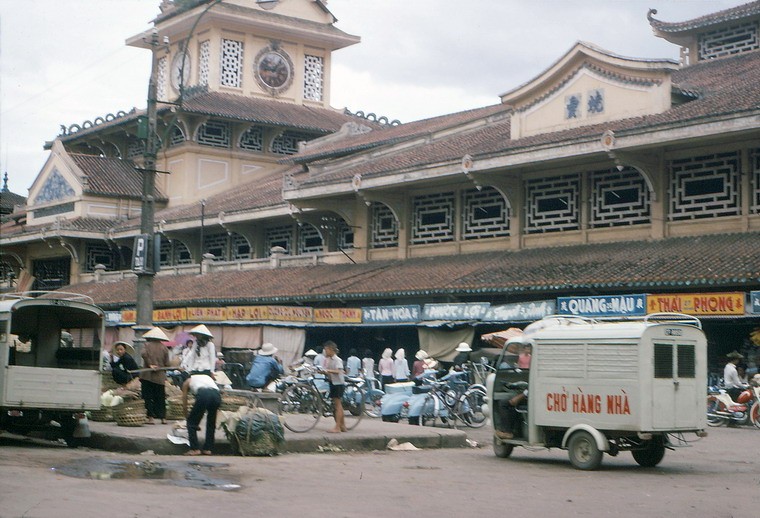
[499, 338]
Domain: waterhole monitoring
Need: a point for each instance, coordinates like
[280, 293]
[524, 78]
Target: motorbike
[411, 400]
[722, 409]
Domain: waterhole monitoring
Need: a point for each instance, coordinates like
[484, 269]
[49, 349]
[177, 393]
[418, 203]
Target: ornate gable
[589, 86]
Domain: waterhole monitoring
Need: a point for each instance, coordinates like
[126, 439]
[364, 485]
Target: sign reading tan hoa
[248, 312]
[700, 304]
[291, 314]
[353, 315]
[207, 314]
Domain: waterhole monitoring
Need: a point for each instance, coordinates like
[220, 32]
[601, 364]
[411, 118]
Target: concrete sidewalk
[370, 434]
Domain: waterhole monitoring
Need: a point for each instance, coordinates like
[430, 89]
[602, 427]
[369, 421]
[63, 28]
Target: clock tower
[270, 49]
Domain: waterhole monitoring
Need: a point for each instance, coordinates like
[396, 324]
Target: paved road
[717, 477]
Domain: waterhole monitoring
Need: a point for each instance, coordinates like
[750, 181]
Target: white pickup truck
[50, 350]
[596, 387]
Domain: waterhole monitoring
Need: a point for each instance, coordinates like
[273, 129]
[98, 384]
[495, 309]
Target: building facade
[606, 186]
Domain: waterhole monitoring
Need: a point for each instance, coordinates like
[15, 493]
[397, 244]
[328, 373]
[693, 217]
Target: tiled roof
[97, 225]
[385, 135]
[726, 15]
[111, 177]
[713, 262]
[718, 97]
[8, 200]
[266, 111]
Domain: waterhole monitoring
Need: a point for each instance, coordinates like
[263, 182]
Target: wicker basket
[174, 407]
[233, 403]
[105, 414]
[130, 413]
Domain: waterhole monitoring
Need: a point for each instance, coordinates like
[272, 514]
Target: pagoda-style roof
[720, 261]
[714, 97]
[751, 9]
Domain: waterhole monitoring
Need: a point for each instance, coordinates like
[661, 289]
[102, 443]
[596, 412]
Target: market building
[606, 186]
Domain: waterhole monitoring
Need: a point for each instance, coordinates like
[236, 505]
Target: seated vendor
[265, 367]
[507, 420]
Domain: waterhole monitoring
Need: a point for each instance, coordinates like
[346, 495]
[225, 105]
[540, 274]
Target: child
[333, 367]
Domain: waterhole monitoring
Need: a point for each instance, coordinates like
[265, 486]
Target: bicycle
[450, 399]
[306, 399]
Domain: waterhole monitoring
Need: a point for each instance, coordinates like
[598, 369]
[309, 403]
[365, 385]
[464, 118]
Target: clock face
[274, 70]
[180, 67]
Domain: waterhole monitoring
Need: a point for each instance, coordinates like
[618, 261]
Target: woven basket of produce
[104, 414]
[232, 403]
[174, 410]
[258, 432]
[130, 413]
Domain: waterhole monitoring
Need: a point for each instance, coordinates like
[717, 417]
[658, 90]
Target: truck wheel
[583, 451]
[651, 454]
[501, 449]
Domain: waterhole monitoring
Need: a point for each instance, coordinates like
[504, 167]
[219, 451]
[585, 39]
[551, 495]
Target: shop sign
[338, 315]
[291, 313]
[463, 311]
[128, 316]
[520, 311]
[603, 306]
[390, 314]
[113, 317]
[700, 304]
[170, 315]
[206, 314]
[248, 312]
[754, 296]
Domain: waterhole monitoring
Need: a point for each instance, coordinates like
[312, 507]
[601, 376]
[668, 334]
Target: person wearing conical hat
[266, 367]
[155, 357]
[202, 358]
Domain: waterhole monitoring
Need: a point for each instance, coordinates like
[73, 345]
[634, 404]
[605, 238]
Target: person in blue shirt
[353, 364]
[265, 367]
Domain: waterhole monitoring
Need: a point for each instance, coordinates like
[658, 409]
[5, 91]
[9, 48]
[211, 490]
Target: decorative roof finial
[5, 182]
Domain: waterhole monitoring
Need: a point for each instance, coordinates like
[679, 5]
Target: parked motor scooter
[722, 409]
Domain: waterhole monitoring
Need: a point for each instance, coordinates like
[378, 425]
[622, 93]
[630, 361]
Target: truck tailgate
[38, 387]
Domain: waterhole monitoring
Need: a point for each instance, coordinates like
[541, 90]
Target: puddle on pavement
[200, 475]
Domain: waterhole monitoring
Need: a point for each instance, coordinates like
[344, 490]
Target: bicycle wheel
[470, 408]
[372, 406]
[300, 408]
[353, 401]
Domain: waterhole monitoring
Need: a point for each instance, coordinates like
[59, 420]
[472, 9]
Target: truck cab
[598, 387]
[50, 350]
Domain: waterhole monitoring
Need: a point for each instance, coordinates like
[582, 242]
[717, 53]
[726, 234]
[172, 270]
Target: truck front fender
[601, 440]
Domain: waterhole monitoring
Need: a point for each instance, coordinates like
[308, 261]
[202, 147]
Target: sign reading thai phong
[390, 314]
[460, 311]
[701, 304]
[603, 305]
[520, 311]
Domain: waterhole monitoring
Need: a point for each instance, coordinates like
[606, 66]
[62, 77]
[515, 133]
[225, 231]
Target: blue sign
[520, 312]
[754, 296]
[603, 306]
[463, 311]
[390, 314]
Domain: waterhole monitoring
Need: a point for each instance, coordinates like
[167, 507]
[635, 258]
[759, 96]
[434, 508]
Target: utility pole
[146, 274]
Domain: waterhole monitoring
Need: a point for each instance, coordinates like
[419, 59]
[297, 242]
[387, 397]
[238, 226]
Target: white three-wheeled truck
[50, 350]
[598, 387]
